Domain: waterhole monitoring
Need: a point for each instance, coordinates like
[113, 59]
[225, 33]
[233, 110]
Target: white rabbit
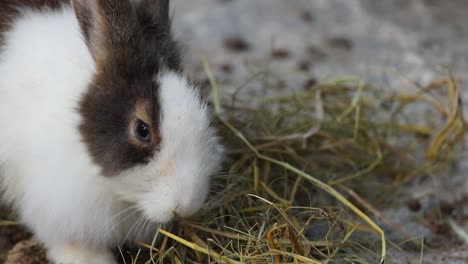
[100, 132]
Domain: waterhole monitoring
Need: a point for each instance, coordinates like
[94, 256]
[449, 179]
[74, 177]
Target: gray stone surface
[388, 38]
[386, 42]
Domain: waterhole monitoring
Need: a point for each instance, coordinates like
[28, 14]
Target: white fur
[46, 172]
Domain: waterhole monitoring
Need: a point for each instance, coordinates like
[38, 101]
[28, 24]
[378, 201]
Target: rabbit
[101, 132]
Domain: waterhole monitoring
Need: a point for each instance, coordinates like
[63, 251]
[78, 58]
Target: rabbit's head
[143, 123]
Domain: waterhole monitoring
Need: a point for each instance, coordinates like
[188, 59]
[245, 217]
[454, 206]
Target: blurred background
[384, 42]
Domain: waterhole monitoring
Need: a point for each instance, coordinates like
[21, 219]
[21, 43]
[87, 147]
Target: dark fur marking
[125, 76]
[155, 22]
[102, 25]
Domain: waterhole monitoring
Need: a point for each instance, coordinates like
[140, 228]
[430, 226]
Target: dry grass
[306, 172]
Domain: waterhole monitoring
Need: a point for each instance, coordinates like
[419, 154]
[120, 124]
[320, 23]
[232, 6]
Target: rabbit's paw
[77, 255]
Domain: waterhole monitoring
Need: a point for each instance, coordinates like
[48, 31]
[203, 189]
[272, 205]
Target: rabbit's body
[39, 93]
[54, 171]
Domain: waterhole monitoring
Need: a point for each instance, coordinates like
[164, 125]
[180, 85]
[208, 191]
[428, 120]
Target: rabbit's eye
[143, 131]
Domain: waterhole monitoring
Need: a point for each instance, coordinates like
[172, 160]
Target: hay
[339, 135]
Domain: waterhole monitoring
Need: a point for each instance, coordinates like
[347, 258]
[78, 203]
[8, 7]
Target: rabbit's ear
[155, 20]
[105, 23]
[156, 14]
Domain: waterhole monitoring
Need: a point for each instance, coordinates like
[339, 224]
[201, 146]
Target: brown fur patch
[142, 112]
[102, 26]
[123, 88]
